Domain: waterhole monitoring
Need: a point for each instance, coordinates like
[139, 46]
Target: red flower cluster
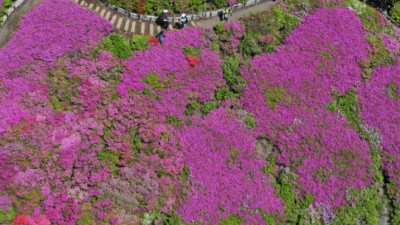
[27, 220]
[153, 41]
[192, 60]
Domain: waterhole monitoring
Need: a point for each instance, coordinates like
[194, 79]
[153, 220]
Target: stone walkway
[128, 26]
[123, 24]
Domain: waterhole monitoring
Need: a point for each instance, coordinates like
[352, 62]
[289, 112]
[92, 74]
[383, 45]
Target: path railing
[11, 10]
[196, 16]
[390, 18]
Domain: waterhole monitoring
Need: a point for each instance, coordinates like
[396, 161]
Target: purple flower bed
[42, 37]
[175, 79]
[86, 138]
[380, 100]
[288, 91]
[225, 171]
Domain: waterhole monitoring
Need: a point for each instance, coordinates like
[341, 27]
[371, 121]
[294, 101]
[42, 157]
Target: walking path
[121, 23]
[12, 22]
[128, 26]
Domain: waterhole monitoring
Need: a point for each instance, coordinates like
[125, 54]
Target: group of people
[225, 13]
[163, 22]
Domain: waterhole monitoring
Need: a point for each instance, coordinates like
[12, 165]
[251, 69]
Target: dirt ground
[11, 23]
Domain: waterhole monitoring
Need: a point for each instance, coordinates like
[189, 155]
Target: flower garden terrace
[287, 116]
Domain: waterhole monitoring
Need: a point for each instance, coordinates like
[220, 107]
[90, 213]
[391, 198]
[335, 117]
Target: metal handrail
[197, 16]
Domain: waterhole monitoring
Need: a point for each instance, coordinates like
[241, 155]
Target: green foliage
[139, 42]
[95, 53]
[4, 8]
[215, 46]
[249, 121]
[231, 220]
[275, 23]
[379, 55]
[269, 219]
[284, 20]
[62, 89]
[147, 91]
[223, 93]
[86, 219]
[155, 7]
[395, 12]
[219, 3]
[366, 210]
[175, 121]
[249, 46]
[234, 154]
[395, 214]
[185, 172]
[192, 107]
[207, 107]
[117, 45]
[295, 209]
[219, 28]
[234, 81]
[192, 51]
[393, 91]
[155, 81]
[169, 218]
[6, 216]
[366, 68]
[275, 95]
[109, 158]
[347, 104]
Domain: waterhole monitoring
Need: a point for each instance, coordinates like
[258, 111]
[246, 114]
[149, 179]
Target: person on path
[162, 20]
[225, 13]
[160, 36]
[184, 20]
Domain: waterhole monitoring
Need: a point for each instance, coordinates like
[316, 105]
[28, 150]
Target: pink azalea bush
[225, 170]
[380, 100]
[170, 76]
[314, 143]
[90, 139]
[43, 35]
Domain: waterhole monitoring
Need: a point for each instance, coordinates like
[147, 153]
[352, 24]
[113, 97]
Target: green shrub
[219, 28]
[249, 46]
[232, 220]
[249, 121]
[175, 121]
[366, 210]
[6, 216]
[117, 45]
[192, 51]
[207, 107]
[139, 42]
[155, 7]
[395, 12]
[192, 107]
[347, 104]
[275, 95]
[219, 3]
[154, 80]
[379, 55]
[223, 93]
[234, 80]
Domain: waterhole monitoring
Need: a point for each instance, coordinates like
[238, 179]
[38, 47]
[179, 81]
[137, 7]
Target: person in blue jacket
[184, 20]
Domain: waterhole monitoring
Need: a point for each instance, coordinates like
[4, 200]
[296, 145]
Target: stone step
[108, 14]
[113, 18]
[124, 23]
[119, 23]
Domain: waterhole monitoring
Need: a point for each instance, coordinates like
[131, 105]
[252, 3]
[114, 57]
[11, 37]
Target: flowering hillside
[285, 117]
